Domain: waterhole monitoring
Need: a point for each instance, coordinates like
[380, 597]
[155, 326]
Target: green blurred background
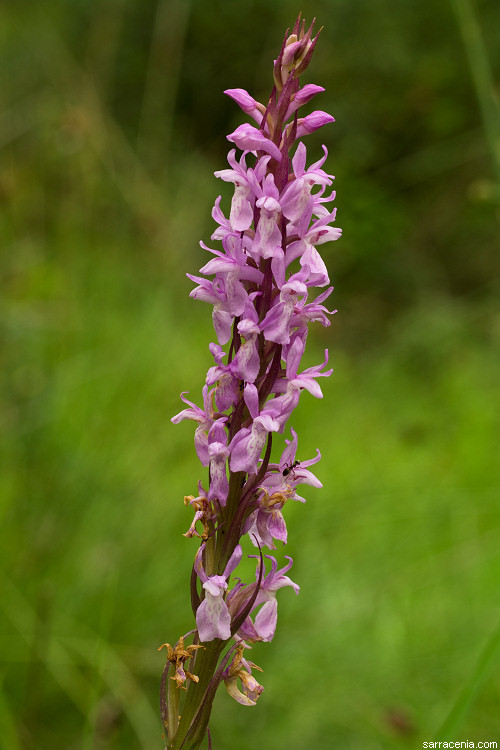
[112, 121]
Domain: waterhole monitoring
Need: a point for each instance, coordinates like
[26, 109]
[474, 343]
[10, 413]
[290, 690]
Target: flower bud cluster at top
[259, 284]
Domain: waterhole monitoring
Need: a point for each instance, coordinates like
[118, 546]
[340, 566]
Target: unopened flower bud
[295, 53]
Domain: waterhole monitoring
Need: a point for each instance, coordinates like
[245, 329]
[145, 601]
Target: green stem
[206, 664]
[225, 545]
[210, 558]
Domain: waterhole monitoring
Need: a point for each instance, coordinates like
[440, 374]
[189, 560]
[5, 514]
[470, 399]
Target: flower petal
[249, 138]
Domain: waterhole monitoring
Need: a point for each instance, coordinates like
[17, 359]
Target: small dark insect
[288, 469]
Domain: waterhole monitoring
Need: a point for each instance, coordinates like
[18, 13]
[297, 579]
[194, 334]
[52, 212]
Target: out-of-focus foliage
[112, 121]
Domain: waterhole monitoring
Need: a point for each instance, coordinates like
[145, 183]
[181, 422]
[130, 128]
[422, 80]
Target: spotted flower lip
[248, 444]
[218, 453]
[263, 626]
[212, 616]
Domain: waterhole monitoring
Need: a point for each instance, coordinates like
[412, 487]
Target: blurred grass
[111, 124]
[482, 77]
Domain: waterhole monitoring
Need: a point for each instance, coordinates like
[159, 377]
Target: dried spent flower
[177, 656]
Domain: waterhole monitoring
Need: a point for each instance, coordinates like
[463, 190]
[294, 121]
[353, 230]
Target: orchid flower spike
[265, 281]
